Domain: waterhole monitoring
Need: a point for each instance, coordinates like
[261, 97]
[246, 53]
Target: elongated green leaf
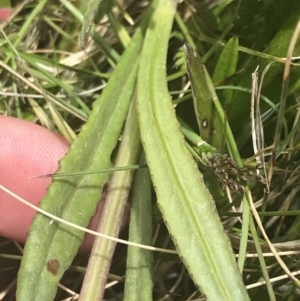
[51, 247]
[226, 67]
[209, 106]
[196, 75]
[111, 218]
[279, 45]
[89, 9]
[186, 205]
[138, 284]
[210, 123]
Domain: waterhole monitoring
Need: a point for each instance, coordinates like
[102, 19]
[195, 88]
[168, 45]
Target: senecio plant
[195, 135]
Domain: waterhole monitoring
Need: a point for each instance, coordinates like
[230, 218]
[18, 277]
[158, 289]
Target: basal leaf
[186, 205]
[51, 247]
[139, 283]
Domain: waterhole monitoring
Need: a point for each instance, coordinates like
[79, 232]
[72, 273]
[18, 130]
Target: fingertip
[26, 150]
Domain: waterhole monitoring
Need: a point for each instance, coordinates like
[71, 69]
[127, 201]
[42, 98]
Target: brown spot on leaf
[53, 266]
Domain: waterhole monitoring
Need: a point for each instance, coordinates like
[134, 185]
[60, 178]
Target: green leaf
[226, 67]
[138, 282]
[210, 123]
[51, 247]
[186, 205]
[240, 108]
[113, 212]
[89, 9]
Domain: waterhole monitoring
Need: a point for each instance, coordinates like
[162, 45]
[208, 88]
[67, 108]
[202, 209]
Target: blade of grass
[110, 52]
[36, 87]
[284, 91]
[69, 90]
[294, 228]
[119, 29]
[89, 9]
[264, 267]
[138, 282]
[226, 67]
[29, 22]
[186, 205]
[272, 248]
[184, 30]
[224, 32]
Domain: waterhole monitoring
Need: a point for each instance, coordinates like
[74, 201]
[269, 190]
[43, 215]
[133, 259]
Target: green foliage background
[42, 45]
